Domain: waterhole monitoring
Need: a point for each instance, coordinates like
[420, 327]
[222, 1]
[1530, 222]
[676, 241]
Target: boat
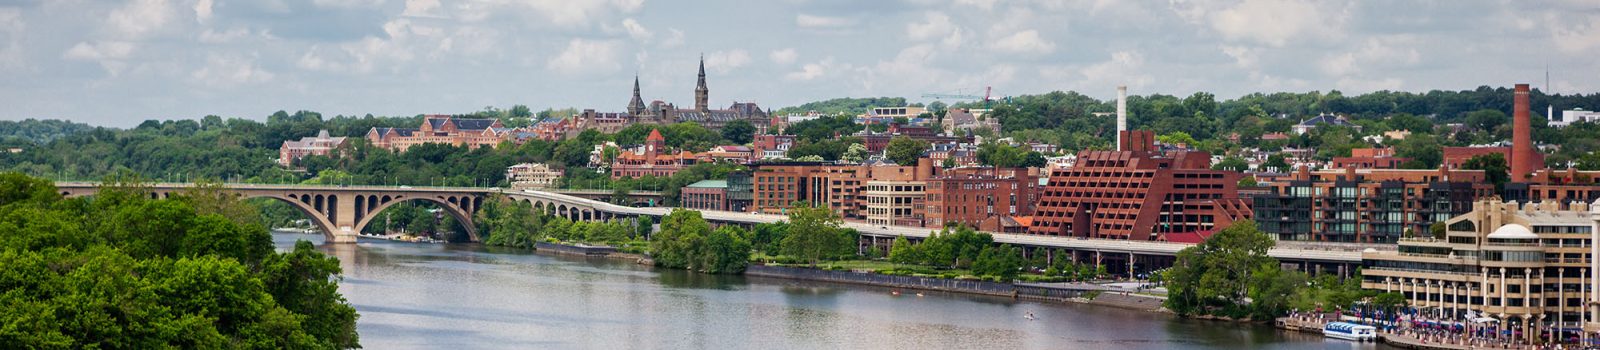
[1350, 331]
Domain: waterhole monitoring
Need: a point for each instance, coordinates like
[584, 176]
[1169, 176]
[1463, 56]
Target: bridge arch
[304, 206]
[448, 204]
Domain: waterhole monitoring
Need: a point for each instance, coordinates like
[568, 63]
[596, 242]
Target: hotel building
[1527, 266]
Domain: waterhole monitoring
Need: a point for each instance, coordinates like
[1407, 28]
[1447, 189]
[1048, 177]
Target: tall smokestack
[1522, 152]
[1122, 113]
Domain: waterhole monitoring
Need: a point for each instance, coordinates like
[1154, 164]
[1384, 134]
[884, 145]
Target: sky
[117, 63]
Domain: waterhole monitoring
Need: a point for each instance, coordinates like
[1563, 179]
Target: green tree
[855, 154]
[813, 233]
[1220, 272]
[726, 251]
[1487, 119]
[738, 132]
[677, 245]
[904, 150]
[1232, 164]
[1494, 168]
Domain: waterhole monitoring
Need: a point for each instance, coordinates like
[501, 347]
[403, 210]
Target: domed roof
[1513, 231]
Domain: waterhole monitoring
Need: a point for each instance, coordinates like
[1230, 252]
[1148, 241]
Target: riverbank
[1081, 293]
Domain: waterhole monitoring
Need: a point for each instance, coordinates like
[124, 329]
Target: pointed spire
[701, 93]
[636, 106]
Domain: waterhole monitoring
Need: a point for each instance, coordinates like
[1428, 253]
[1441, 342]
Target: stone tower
[636, 106]
[701, 93]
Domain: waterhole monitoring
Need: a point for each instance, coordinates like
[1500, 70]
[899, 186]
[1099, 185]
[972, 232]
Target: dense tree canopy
[120, 270]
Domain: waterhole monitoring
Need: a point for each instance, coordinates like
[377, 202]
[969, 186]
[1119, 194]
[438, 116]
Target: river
[413, 295]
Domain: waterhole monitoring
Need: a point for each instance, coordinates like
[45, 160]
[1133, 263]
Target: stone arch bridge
[341, 212]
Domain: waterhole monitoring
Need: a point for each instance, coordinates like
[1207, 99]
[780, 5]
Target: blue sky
[120, 62]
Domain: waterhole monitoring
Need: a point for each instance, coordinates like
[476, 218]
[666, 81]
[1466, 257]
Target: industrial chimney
[1523, 155]
[1122, 113]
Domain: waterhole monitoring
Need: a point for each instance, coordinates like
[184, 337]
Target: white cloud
[937, 25]
[784, 56]
[229, 71]
[822, 22]
[346, 3]
[11, 29]
[1577, 36]
[1027, 41]
[674, 38]
[140, 18]
[111, 50]
[1123, 68]
[724, 61]
[982, 4]
[560, 13]
[421, 8]
[1354, 85]
[1243, 57]
[1395, 51]
[202, 11]
[811, 71]
[211, 36]
[636, 30]
[585, 56]
[1270, 22]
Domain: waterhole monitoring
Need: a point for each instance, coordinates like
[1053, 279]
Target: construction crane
[959, 96]
[988, 96]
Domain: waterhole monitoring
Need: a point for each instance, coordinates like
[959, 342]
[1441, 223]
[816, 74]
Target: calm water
[468, 296]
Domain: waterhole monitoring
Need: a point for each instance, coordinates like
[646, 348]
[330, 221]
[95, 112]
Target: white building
[1575, 115]
[532, 176]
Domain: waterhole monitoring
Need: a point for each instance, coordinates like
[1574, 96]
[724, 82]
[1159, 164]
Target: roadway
[1297, 251]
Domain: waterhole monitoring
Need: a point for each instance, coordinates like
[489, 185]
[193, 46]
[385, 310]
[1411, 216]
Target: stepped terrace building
[1527, 267]
[1139, 193]
[1365, 205]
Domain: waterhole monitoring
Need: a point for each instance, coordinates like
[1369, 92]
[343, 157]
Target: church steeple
[701, 93]
[636, 107]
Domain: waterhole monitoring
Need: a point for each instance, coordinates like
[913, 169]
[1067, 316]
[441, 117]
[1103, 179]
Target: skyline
[118, 64]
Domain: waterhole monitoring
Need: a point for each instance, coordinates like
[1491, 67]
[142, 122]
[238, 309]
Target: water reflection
[471, 297]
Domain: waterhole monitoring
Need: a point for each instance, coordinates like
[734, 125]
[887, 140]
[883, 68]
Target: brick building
[1138, 193]
[770, 146]
[1365, 205]
[776, 186]
[877, 141]
[1456, 157]
[987, 198]
[320, 145]
[445, 129]
[1561, 186]
[705, 195]
[1369, 158]
[653, 158]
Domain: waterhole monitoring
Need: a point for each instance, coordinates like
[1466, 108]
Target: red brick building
[706, 195]
[989, 199]
[1138, 193]
[470, 132]
[1369, 158]
[653, 158]
[876, 142]
[776, 186]
[1456, 157]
